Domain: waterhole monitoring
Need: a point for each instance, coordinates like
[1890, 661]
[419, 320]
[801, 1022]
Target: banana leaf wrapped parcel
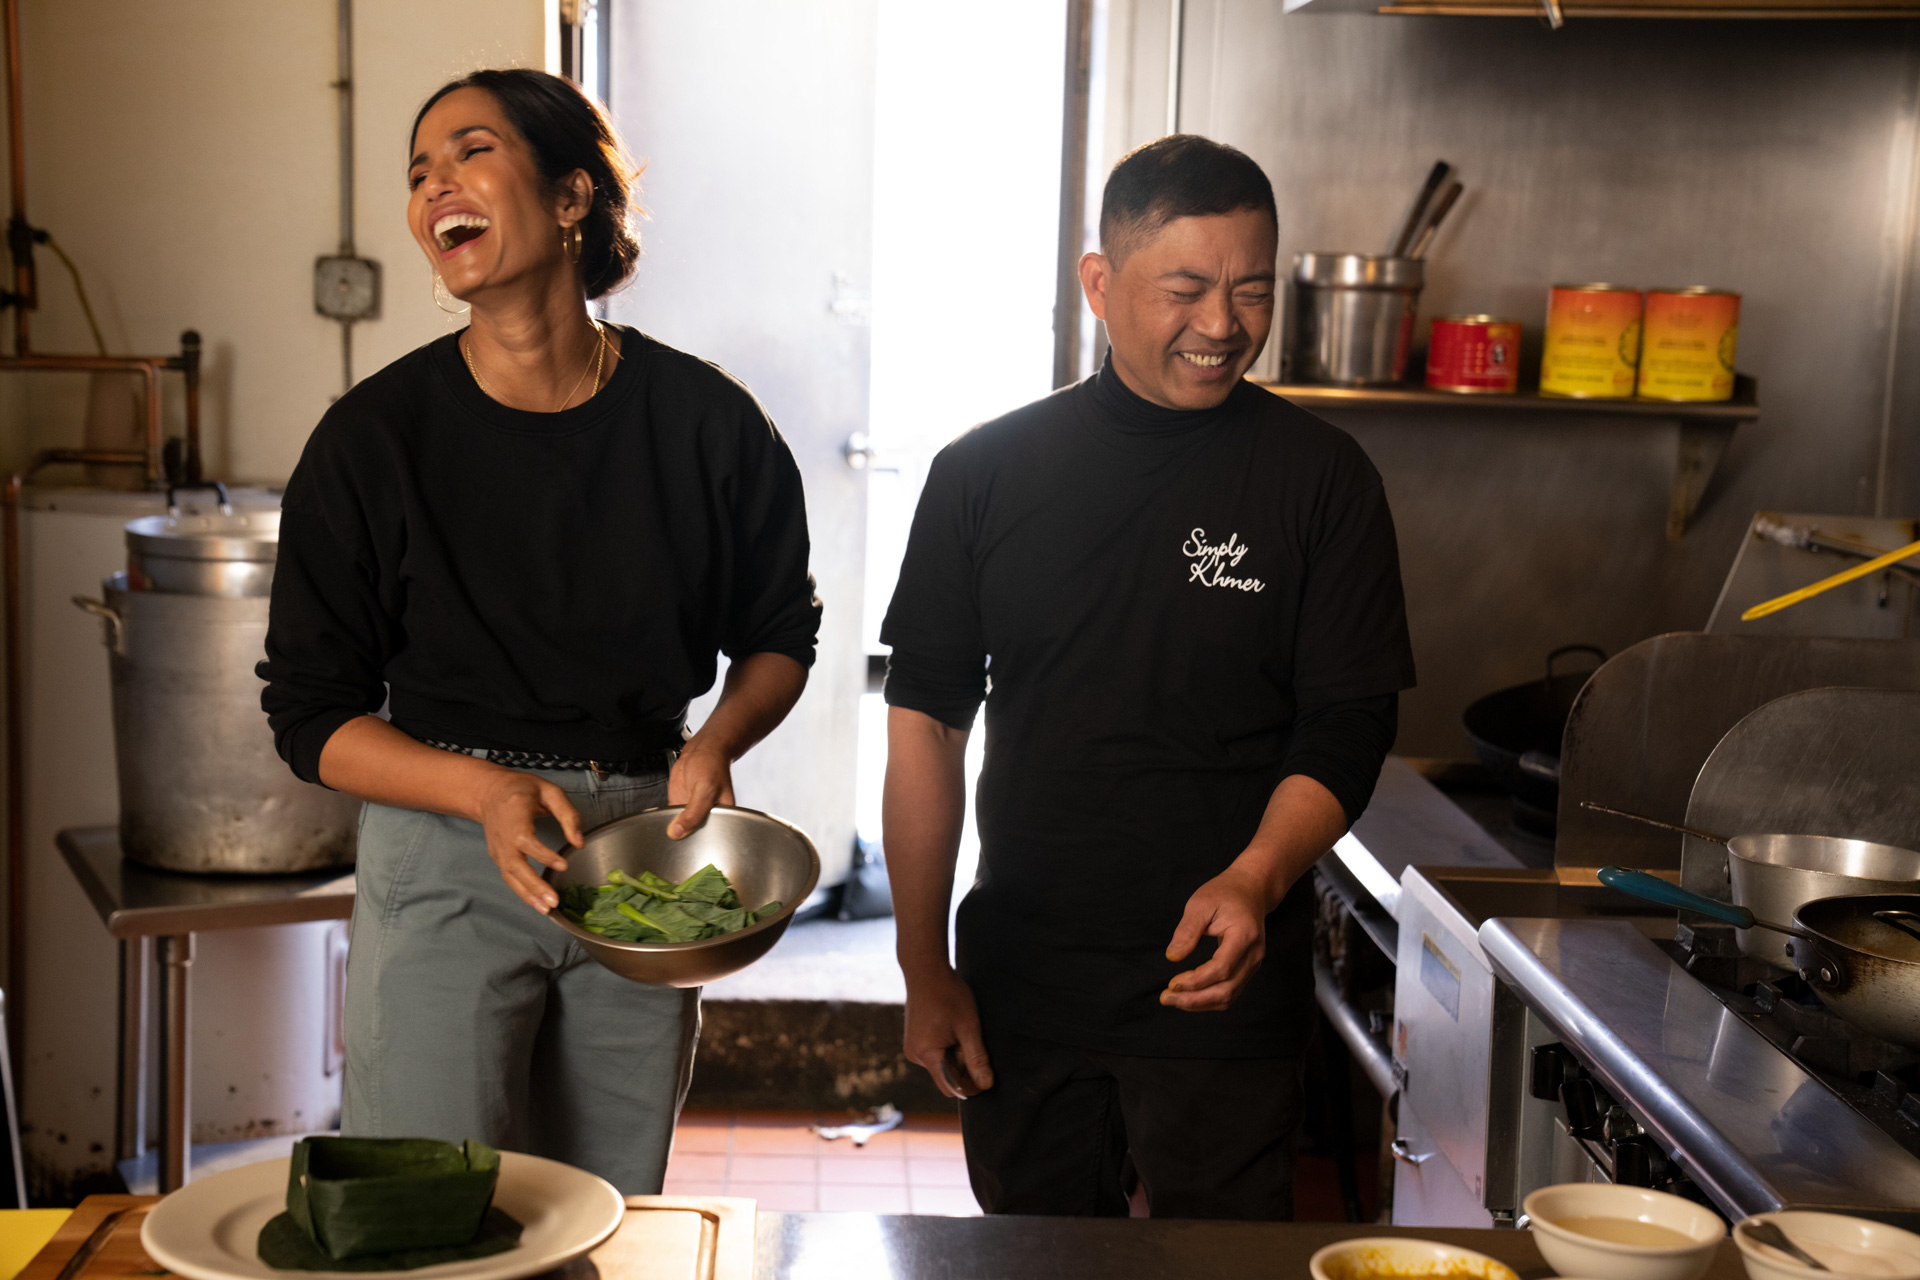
[357, 1204]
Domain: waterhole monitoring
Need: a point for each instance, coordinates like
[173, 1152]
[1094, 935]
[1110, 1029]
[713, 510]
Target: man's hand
[940, 1018]
[1301, 822]
[701, 778]
[507, 806]
[1232, 907]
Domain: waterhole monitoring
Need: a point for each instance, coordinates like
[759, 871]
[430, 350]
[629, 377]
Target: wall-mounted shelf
[1746, 10]
[1705, 429]
[1557, 12]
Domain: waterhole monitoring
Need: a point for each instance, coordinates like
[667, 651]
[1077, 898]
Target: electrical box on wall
[346, 288]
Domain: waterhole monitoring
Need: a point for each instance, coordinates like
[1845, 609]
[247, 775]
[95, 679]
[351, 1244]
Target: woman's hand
[369, 758]
[758, 692]
[507, 807]
[702, 777]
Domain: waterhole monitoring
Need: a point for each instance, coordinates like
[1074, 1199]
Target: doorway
[853, 207]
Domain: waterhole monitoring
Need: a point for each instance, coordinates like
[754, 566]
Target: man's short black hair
[1182, 175]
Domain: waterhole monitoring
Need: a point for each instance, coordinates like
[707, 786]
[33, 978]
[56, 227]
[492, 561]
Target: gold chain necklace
[599, 354]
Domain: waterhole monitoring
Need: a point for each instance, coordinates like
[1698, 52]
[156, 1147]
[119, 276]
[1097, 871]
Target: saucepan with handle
[1860, 953]
[1774, 875]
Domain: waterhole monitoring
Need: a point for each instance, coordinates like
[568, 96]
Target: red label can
[1474, 355]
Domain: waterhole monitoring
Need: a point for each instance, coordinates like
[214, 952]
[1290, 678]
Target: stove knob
[1619, 1125]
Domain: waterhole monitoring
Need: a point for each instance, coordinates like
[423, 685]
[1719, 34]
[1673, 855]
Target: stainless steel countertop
[139, 902]
[819, 1246]
[1754, 1129]
[1409, 821]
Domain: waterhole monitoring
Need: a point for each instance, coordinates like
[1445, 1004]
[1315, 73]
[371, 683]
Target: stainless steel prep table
[136, 903]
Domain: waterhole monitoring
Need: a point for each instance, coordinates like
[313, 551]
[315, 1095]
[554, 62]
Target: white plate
[209, 1229]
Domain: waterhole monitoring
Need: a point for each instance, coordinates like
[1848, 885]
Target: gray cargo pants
[470, 1015]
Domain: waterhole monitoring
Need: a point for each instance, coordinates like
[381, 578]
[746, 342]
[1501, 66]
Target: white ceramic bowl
[1852, 1247]
[1576, 1253]
[1374, 1256]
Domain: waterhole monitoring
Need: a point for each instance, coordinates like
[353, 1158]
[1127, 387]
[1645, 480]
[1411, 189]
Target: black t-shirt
[1150, 601]
[550, 582]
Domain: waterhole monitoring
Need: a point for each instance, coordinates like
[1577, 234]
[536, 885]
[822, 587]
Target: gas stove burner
[1878, 1079]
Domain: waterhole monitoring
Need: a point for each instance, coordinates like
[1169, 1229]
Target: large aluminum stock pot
[201, 787]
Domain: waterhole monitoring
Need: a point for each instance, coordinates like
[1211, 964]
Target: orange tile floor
[773, 1157]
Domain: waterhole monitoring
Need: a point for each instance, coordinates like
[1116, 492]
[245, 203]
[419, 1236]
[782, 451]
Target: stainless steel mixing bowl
[765, 858]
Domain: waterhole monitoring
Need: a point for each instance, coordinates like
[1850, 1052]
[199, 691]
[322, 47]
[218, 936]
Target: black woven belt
[657, 762]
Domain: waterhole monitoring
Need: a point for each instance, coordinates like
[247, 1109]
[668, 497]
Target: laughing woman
[530, 540]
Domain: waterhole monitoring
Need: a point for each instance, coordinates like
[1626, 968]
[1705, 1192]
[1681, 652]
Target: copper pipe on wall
[19, 233]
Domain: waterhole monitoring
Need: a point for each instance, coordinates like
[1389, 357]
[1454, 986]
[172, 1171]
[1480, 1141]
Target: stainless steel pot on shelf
[1352, 322]
[201, 787]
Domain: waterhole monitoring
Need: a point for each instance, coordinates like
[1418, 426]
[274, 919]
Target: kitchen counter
[865, 1246]
[845, 1246]
[1408, 821]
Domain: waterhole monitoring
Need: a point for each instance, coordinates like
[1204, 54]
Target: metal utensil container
[765, 858]
[201, 787]
[231, 554]
[1352, 317]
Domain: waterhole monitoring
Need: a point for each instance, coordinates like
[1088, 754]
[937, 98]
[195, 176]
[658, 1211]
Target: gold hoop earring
[570, 242]
[443, 298]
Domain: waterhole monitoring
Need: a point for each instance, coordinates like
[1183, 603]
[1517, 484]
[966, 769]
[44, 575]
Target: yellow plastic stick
[1807, 593]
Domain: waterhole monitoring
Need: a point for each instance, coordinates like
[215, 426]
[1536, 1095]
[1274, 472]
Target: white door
[755, 122]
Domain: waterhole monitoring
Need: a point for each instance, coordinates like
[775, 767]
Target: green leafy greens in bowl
[652, 909]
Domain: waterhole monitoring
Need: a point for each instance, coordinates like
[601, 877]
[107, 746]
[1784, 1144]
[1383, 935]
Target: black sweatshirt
[550, 582]
[1167, 612]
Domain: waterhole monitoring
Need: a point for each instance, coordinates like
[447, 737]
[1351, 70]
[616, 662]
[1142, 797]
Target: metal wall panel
[1772, 158]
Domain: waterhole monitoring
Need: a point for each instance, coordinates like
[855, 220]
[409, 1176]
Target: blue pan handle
[1668, 894]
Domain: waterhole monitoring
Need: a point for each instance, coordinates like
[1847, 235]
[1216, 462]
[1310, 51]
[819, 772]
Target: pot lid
[230, 535]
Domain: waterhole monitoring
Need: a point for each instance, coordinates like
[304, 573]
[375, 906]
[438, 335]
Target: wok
[1516, 733]
[1774, 875]
[1860, 953]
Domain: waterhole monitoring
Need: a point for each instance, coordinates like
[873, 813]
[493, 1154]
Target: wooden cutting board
[662, 1238]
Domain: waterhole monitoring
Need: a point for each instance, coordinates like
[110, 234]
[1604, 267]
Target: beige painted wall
[185, 155]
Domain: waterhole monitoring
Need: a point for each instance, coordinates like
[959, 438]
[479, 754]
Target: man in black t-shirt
[1186, 593]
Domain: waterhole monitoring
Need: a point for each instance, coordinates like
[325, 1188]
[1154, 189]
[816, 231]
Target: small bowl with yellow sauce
[1404, 1258]
[1851, 1248]
[1613, 1232]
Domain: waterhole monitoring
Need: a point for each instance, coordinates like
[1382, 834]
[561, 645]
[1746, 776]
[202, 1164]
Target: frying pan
[1773, 875]
[1860, 953]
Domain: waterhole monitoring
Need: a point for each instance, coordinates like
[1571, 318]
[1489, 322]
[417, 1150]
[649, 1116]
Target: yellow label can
[1691, 334]
[1593, 341]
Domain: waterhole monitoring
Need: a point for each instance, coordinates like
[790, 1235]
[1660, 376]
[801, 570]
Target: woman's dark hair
[567, 132]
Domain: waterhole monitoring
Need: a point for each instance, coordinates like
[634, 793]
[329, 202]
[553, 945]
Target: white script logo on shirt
[1211, 560]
